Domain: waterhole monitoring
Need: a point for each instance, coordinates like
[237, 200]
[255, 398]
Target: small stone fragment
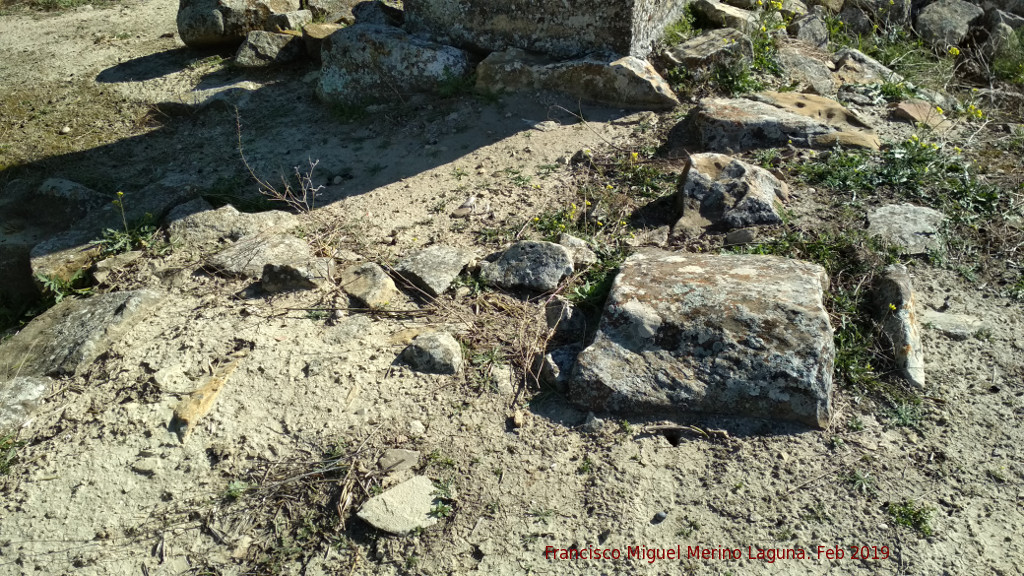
[894, 301]
[434, 353]
[529, 264]
[369, 284]
[433, 269]
[914, 228]
[403, 508]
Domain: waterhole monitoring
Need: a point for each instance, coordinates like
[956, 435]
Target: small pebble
[659, 517]
[65, 130]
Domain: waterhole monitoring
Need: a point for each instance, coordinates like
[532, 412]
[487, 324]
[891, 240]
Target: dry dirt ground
[103, 487]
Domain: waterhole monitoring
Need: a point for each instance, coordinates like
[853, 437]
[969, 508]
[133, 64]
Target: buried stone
[743, 335]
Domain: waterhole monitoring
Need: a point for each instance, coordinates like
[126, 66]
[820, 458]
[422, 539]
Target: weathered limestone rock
[370, 284]
[313, 35]
[914, 228]
[956, 326]
[247, 257]
[433, 269]
[920, 112]
[566, 319]
[198, 224]
[65, 339]
[807, 71]
[852, 65]
[316, 272]
[745, 335]
[946, 22]
[267, 49]
[725, 191]
[810, 29]
[550, 27]
[861, 15]
[403, 508]
[289, 20]
[229, 96]
[68, 200]
[19, 398]
[627, 82]
[528, 264]
[582, 255]
[721, 14]
[712, 47]
[775, 119]
[557, 366]
[64, 254]
[1002, 28]
[894, 301]
[225, 23]
[367, 61]
[434, 353]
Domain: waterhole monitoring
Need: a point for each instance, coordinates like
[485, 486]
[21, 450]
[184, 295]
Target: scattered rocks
[402, 509]
[19, 398]
[529, 264]
[268, 48]
[920, 112]
[712, 47]
[914, 228]
[862, 68]
[894, 301]
[247, 257]
[364, 60]
[720, 190]
[807, 71]
[434, 353]
[956, 326]
[217, 24]
[65, 339]
[547, 27]
[746, 335]
[433, 269]
[369, 284]
[946, 23]
[627, 82]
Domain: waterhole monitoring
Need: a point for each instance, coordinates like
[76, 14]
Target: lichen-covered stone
[624, 82]
[731, 192]
[529, 264]
[367, 61]
[553, 27]
[263, 48]
[247, 257]
[947, 22]
[712, 47]
[915, 229]
[197, 224]
[369, 284]
[19, 398]
[745, 335]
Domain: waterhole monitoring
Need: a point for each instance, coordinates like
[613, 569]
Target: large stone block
[367, 61]
[559, 28]
[745, 335]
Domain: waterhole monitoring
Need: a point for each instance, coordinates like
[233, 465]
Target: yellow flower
[939, 109]
[633, 156]
[599, 223]
[892, 307]
[954, 51]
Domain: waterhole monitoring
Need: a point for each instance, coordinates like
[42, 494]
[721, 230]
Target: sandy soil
[103, 487]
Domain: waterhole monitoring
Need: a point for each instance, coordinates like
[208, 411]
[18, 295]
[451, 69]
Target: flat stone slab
[433, 269]
[19, 398]
[914, 228]
[955, 326]
[196, 223]
[68, 337]
[247, 257]
[403, 508]
[744, 335]
[434, 353]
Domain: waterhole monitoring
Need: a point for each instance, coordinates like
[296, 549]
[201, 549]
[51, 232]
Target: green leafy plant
[56, 289]
[912, 515]
[682, 29]
[8, 452]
